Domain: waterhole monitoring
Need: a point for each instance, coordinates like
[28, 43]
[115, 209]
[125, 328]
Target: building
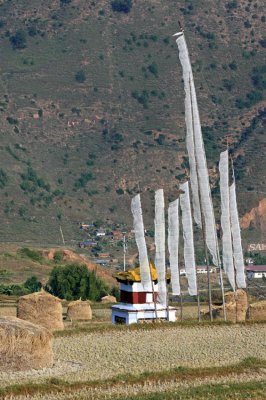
[117, 235]
[100, 233]
[137, 303]
[87, 243]
[202, 269]
[255, 271]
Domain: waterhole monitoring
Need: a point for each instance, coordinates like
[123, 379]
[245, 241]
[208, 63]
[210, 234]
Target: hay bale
[257, 311]
[41, 308]
[236, 307]
[24, 345]
[108, 299]
[79, 311]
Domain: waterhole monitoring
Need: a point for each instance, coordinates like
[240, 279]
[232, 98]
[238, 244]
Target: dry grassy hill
[91, 107]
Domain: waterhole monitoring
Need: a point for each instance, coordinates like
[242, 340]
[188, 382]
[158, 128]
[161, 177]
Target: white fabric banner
[173, 245]
[140, 241]
[225, 219]
[189, 255]
[159, 224]
[198, 159]
[236, 235]
[187, 72]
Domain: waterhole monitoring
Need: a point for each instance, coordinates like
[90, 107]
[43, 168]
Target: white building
[256, 271]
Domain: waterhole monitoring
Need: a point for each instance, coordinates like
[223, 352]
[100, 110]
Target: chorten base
[124, 313]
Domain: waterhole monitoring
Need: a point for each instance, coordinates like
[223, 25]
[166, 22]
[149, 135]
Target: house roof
[256, 268]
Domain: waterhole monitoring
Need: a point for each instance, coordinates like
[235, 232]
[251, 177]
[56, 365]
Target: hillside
[92, 108]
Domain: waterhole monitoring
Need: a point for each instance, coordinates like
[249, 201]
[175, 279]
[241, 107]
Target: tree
[18, 40]
[80, 76]
[32, 284]
[121, 5]
[75, 281]
[3, 178]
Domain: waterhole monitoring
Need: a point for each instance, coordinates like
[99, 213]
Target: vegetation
[258, 258]
[75, 281]
[31, 181]
[3, 178]
[82, 181]
[34, 255]
[32, 284]
[80, 76]
[59, 114]
[121, 5]
[18, 40]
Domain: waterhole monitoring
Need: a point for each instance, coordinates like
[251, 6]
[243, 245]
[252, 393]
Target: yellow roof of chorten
[133, 275]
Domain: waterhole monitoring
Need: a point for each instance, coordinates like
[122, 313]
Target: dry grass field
[96, 360]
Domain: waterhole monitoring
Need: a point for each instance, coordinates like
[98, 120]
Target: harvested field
[182, 389]
[103, 355]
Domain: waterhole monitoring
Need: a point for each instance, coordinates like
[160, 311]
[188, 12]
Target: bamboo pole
[181, 297]
[153, 295]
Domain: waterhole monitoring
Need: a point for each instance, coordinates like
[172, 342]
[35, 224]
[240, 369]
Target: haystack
[79, 311]
[41, 308]
[236, 307]
[257, 311]
[108, 299]
[24, 345]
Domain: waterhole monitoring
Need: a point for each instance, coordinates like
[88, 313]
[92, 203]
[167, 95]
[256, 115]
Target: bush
[153, 68]
[11, 120]
[232, 5]
[119, 191]
[262, 42]
[18, 40]
[80, 76]
[121, 5]
[34, 255]
[142, 98]
[75, 281]
[3, 178]
[32, 284]
[13, 290]
[82, 181]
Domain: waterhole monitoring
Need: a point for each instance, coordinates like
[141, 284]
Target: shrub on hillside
[18, 40]
[3, 178]
[75, 281]
[121, 5]
[34, 255]
[80, 76]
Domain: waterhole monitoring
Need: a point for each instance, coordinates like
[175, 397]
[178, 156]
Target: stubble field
[99, 361]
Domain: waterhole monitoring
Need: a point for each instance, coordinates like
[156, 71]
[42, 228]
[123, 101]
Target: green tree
[80, 76]
[32, 284]
[18, 40]
[122, 5]
[75, 281]
[3, 178]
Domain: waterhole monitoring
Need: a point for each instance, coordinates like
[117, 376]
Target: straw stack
[24, 345]
[41, 308]
[79, 311]
[108, 299]
[236, 304]
[257, 311]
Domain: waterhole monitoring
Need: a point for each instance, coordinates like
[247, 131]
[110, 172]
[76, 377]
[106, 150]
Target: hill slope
[91, 106]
